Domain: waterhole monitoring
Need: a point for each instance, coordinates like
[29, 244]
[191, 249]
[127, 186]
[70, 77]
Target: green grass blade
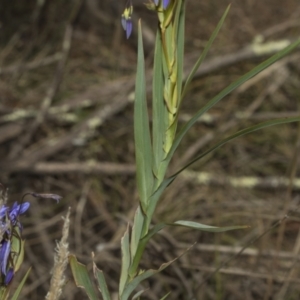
[20, 286]
[135, 282]
[143, 243]
[81, 277]
[137, 295]
[126, 260]
[141, 130]
[160, 112]
[154, 199]
[203, 227]
[224, 93]
[137, 231]
[101, 283]
[238, 134]
[130, 287]
[204, 52]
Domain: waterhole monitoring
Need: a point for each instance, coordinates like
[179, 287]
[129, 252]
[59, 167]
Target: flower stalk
[169, 33]
[11, 244]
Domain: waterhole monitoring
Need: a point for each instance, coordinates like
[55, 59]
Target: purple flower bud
[4, 253]
[9, 276]
[127, 25]
[126, 20]
[11, 229]
[165, 3]
[3, 211]
[19, 209]
[16, 210]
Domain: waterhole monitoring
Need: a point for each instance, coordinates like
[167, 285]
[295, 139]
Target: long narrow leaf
[204, 52]
[193, 225]
[141, 130]
[160, 113]
[126, 260]
[137, 295]
[203, 227]
[137, 231]
[224, 93]
[154, 199]
[143, 243]
[101, 283]
[189, 224]
[81, 277]
[137, 280]
[238, 134]
[20, 286]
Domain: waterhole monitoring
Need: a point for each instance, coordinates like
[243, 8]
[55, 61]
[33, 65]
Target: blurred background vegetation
[67, 77]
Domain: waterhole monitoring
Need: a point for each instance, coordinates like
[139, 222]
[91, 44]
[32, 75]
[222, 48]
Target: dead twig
[48, 60]
[49, 97]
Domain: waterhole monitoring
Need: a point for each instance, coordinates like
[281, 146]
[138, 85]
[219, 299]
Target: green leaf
[20, 286]
[141, 130]
[142, 245]
[160, 112]
[205, 51]
[155, 229]
[17, 247]
[224, 93]
[136, 233]
[130, 287]
[126, 260]
[81, 277]
[158, 227]
[101, 282]
[238, 134]
[154, 199]
[203, 227]
[4, 292]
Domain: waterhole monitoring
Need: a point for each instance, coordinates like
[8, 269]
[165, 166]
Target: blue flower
[13, 212]
[3, 211]
[126, 20]
[126, 16]
[4, 254]
[16, 210]
[165, 3]
[11, 229]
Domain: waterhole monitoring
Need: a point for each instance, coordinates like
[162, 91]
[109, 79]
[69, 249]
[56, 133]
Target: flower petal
[23, 208]
[9, 276]
[3, 211]
[126, 20]
[128, 28]
[165, 3]
[4, 253]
